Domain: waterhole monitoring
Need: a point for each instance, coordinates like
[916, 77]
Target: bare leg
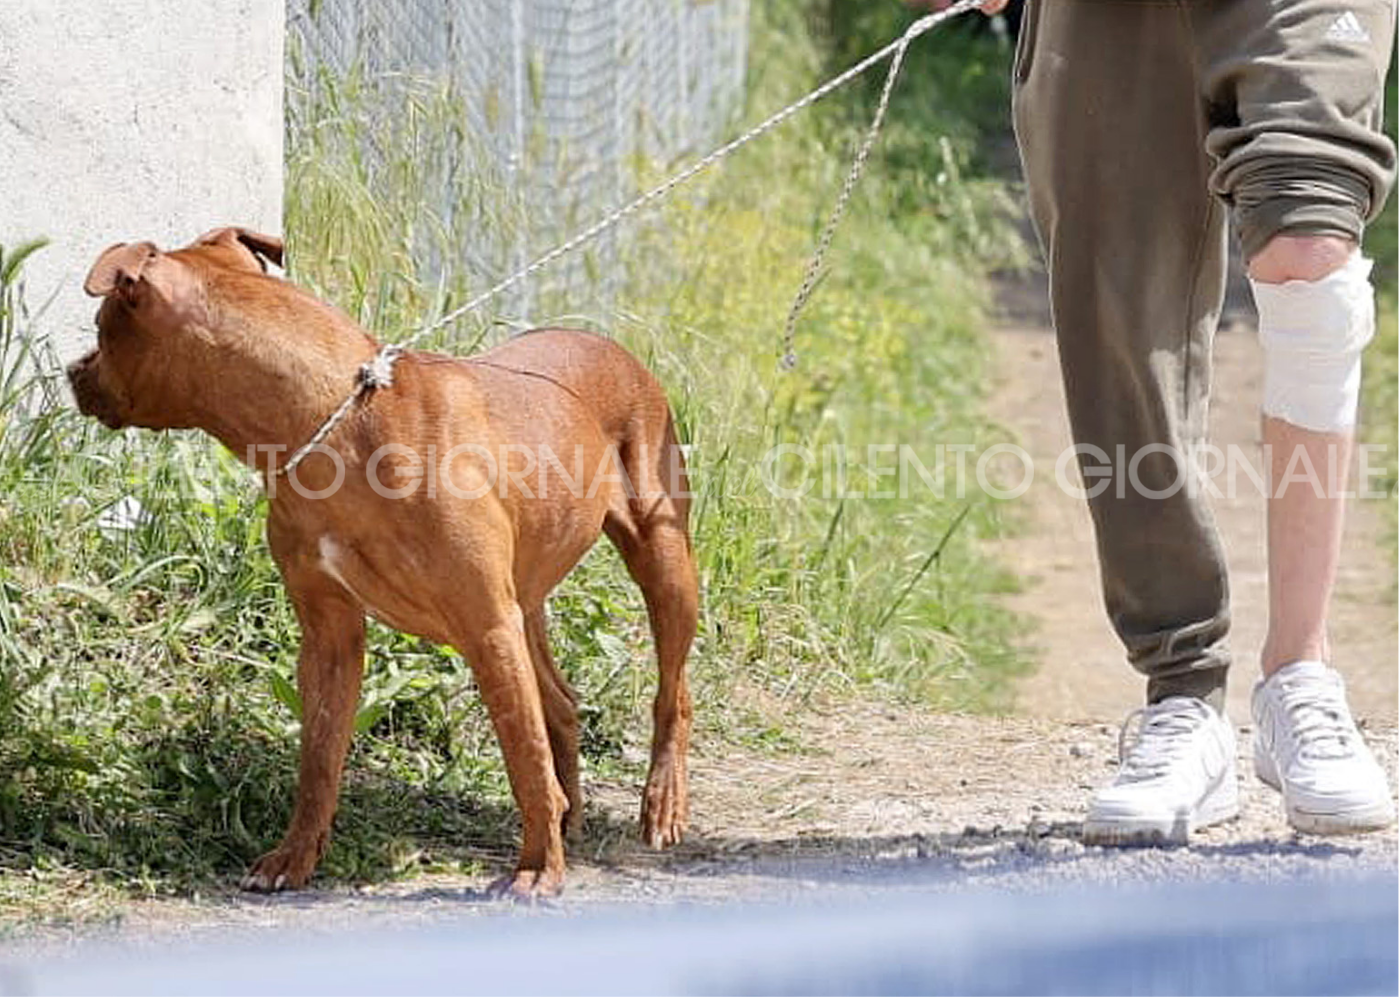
[1305, 528]
[1305, 543]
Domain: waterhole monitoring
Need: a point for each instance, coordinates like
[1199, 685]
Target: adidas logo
[1348, 28]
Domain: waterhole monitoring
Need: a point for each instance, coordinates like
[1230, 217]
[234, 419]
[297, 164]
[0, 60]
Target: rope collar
[376, 373]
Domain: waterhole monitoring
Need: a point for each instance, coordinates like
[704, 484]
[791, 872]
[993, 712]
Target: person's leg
[1112, 140]
[1304, 539]
[1304, 164]
[1313, 291]
[1308, 472]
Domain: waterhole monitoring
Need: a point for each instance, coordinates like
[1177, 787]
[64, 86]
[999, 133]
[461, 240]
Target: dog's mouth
[91, 400]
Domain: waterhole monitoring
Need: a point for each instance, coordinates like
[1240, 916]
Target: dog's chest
[334, 563]
[386, 591]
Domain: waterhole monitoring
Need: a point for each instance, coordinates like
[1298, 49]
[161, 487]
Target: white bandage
[1313, 333]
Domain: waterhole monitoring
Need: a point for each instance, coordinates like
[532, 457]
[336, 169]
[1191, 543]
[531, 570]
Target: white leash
[809, 281]
[379, 372]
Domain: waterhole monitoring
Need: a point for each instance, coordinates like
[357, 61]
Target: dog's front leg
[500, 659]
[328, 679]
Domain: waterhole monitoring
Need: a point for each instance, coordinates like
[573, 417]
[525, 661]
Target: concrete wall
[147, 119]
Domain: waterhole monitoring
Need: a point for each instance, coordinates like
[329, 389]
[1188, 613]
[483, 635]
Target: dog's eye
[113, 321]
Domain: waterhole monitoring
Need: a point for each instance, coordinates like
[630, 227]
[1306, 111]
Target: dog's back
[613, 387]
[613, 384]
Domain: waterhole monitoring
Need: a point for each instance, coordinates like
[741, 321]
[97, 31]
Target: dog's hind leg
[560, 717]
[650, 530]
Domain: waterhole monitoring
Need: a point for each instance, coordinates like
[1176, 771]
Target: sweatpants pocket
[1025, 41]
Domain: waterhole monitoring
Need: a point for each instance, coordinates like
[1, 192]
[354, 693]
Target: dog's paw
[664, 807]
[527, 885]
[571, 826]
[284, 868]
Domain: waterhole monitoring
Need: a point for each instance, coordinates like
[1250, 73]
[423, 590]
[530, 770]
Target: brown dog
[499, 472]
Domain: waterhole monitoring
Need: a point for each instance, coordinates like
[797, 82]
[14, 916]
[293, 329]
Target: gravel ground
[876, 799]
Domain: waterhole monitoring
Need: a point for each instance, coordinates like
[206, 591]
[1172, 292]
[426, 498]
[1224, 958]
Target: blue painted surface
[1215, 938]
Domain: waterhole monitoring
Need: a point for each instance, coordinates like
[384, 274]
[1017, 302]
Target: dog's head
[155, 326]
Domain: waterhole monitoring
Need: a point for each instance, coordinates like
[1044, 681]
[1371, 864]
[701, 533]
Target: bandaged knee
[1313, 333]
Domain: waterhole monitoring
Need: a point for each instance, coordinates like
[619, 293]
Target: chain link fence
[565, 102]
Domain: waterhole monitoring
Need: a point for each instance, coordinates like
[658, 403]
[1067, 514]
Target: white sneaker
[1178, 776]
[1307, 746]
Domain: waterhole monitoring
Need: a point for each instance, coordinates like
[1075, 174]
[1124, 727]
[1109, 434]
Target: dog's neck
[280, 384]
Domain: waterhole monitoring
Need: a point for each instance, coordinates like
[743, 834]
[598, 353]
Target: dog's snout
[80, 375]
[92, 402]
[82, 364]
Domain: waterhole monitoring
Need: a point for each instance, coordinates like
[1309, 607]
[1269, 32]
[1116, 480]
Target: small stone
[1080, 749]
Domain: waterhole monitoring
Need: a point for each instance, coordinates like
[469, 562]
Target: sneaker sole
[1220, 805]
[1379, 816]
[1330, 824]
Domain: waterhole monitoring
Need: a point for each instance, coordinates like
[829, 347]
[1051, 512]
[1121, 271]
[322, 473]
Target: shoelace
[1318, 716]
[1158, 741]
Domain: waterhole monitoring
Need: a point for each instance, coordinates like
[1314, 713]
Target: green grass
[147, 723]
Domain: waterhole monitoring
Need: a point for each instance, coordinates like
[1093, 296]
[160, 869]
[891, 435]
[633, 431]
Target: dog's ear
[260, 245]
[119, 268]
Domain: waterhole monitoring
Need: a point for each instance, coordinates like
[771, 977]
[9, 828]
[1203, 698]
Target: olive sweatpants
[1141, 124]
